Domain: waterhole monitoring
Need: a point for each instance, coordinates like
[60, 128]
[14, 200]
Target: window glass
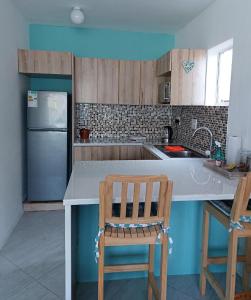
[224, 76]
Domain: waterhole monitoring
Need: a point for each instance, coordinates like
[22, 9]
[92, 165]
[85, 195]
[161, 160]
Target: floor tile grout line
[27, 274]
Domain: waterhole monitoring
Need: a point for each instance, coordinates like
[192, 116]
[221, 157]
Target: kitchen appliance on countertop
[164, 92]
[168, 134]
[48, 145]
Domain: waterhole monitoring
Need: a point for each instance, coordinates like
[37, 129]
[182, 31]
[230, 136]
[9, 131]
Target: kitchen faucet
[211, 136]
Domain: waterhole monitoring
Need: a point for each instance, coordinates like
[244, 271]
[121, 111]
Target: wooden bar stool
[236, 218]
[135, 229]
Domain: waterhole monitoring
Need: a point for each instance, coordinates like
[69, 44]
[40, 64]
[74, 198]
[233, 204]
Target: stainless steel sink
[187, 153]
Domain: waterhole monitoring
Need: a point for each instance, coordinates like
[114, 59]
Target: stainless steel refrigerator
[48, 138]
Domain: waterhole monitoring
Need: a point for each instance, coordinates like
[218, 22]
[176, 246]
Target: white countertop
[192, 181]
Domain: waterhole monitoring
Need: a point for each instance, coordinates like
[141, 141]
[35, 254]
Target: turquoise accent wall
[186, 230]
[102, 43]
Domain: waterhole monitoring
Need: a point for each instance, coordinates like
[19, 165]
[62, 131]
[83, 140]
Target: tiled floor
[179, 288]
[32, 267]
[32, 261]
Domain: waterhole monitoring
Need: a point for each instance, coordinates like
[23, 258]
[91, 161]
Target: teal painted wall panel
[51, 84]
[102, 43]
[186, 227]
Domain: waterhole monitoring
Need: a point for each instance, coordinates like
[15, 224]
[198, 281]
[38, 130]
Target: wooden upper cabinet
[164, 64]
[44, 62]
[129, 82]
[26, 61]
[108, 81]
[148, 83]
[86, 80]
[188, 88]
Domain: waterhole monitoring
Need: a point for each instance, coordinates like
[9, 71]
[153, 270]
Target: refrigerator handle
[49, 129]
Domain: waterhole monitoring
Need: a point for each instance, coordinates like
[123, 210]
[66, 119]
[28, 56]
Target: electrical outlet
[177, 121]
[194, 124]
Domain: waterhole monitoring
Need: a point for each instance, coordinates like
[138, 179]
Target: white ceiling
[137, 15]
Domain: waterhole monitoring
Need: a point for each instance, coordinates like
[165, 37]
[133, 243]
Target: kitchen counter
[193, 183]
[114, 142]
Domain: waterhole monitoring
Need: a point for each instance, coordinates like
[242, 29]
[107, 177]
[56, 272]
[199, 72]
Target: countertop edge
[184, 198]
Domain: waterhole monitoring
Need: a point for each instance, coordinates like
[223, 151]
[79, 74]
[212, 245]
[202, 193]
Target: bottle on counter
[218, 154]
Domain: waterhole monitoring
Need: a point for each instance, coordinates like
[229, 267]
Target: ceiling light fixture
[77, 15]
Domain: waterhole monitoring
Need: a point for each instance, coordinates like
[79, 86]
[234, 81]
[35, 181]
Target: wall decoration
[188, 65]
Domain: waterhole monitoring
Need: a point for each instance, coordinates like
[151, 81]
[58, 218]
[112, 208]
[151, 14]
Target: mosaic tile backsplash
[121, 121]
[213, 117]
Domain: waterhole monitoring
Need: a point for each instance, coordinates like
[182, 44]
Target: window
[224, 76]
[219, 69]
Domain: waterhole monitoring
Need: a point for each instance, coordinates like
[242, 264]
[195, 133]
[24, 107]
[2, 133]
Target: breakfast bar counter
[193, 183]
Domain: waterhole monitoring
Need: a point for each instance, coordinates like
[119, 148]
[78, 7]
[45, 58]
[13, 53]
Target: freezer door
[49, 112]
[47, 165]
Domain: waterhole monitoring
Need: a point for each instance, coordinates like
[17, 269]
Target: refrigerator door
[49, 111]
[47, 165]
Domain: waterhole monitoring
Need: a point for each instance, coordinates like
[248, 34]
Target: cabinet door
[45, 62]
[26, 61]
[188, 88]
[148, 83]
[129, 82]
[164, 64]
[130, 153]
[86, 80]
[108, 82]
[96, 153]
[54, 63]
[110, 153]
[147, 155]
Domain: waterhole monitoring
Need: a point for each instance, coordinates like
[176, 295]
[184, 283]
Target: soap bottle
[218, 156]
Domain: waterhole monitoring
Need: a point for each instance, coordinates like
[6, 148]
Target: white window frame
[212, 77]
[219, 101]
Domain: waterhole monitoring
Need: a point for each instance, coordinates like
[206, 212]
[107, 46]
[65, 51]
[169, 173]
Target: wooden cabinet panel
[26, 61]
[147, 155]
[108, 81]
[86, 80]
[130, 152]
[148, 83]
[96, 153]
[188, 88]
[129, 82]
[164, 64]
[44, 62]
[58, 63]
[112, 153]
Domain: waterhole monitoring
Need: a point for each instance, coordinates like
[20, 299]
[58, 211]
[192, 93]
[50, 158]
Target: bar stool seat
[225, 206]
[236, 217]
[135, 223]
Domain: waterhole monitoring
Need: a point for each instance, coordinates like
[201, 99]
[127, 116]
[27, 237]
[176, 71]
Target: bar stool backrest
[241, 199]
[138, 184]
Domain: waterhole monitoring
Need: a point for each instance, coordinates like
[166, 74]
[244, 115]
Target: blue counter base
[186, 228]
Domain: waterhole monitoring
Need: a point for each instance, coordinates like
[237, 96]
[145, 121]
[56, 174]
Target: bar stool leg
[204, 262]
[247, 266]
[151, 270]
[101, 269]
[163, 272]
[231, 265]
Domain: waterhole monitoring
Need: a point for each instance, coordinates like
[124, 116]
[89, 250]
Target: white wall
[13, 34]
[223, 20]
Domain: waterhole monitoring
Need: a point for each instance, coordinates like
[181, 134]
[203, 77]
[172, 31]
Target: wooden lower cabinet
[96, 153]
[112, 153]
